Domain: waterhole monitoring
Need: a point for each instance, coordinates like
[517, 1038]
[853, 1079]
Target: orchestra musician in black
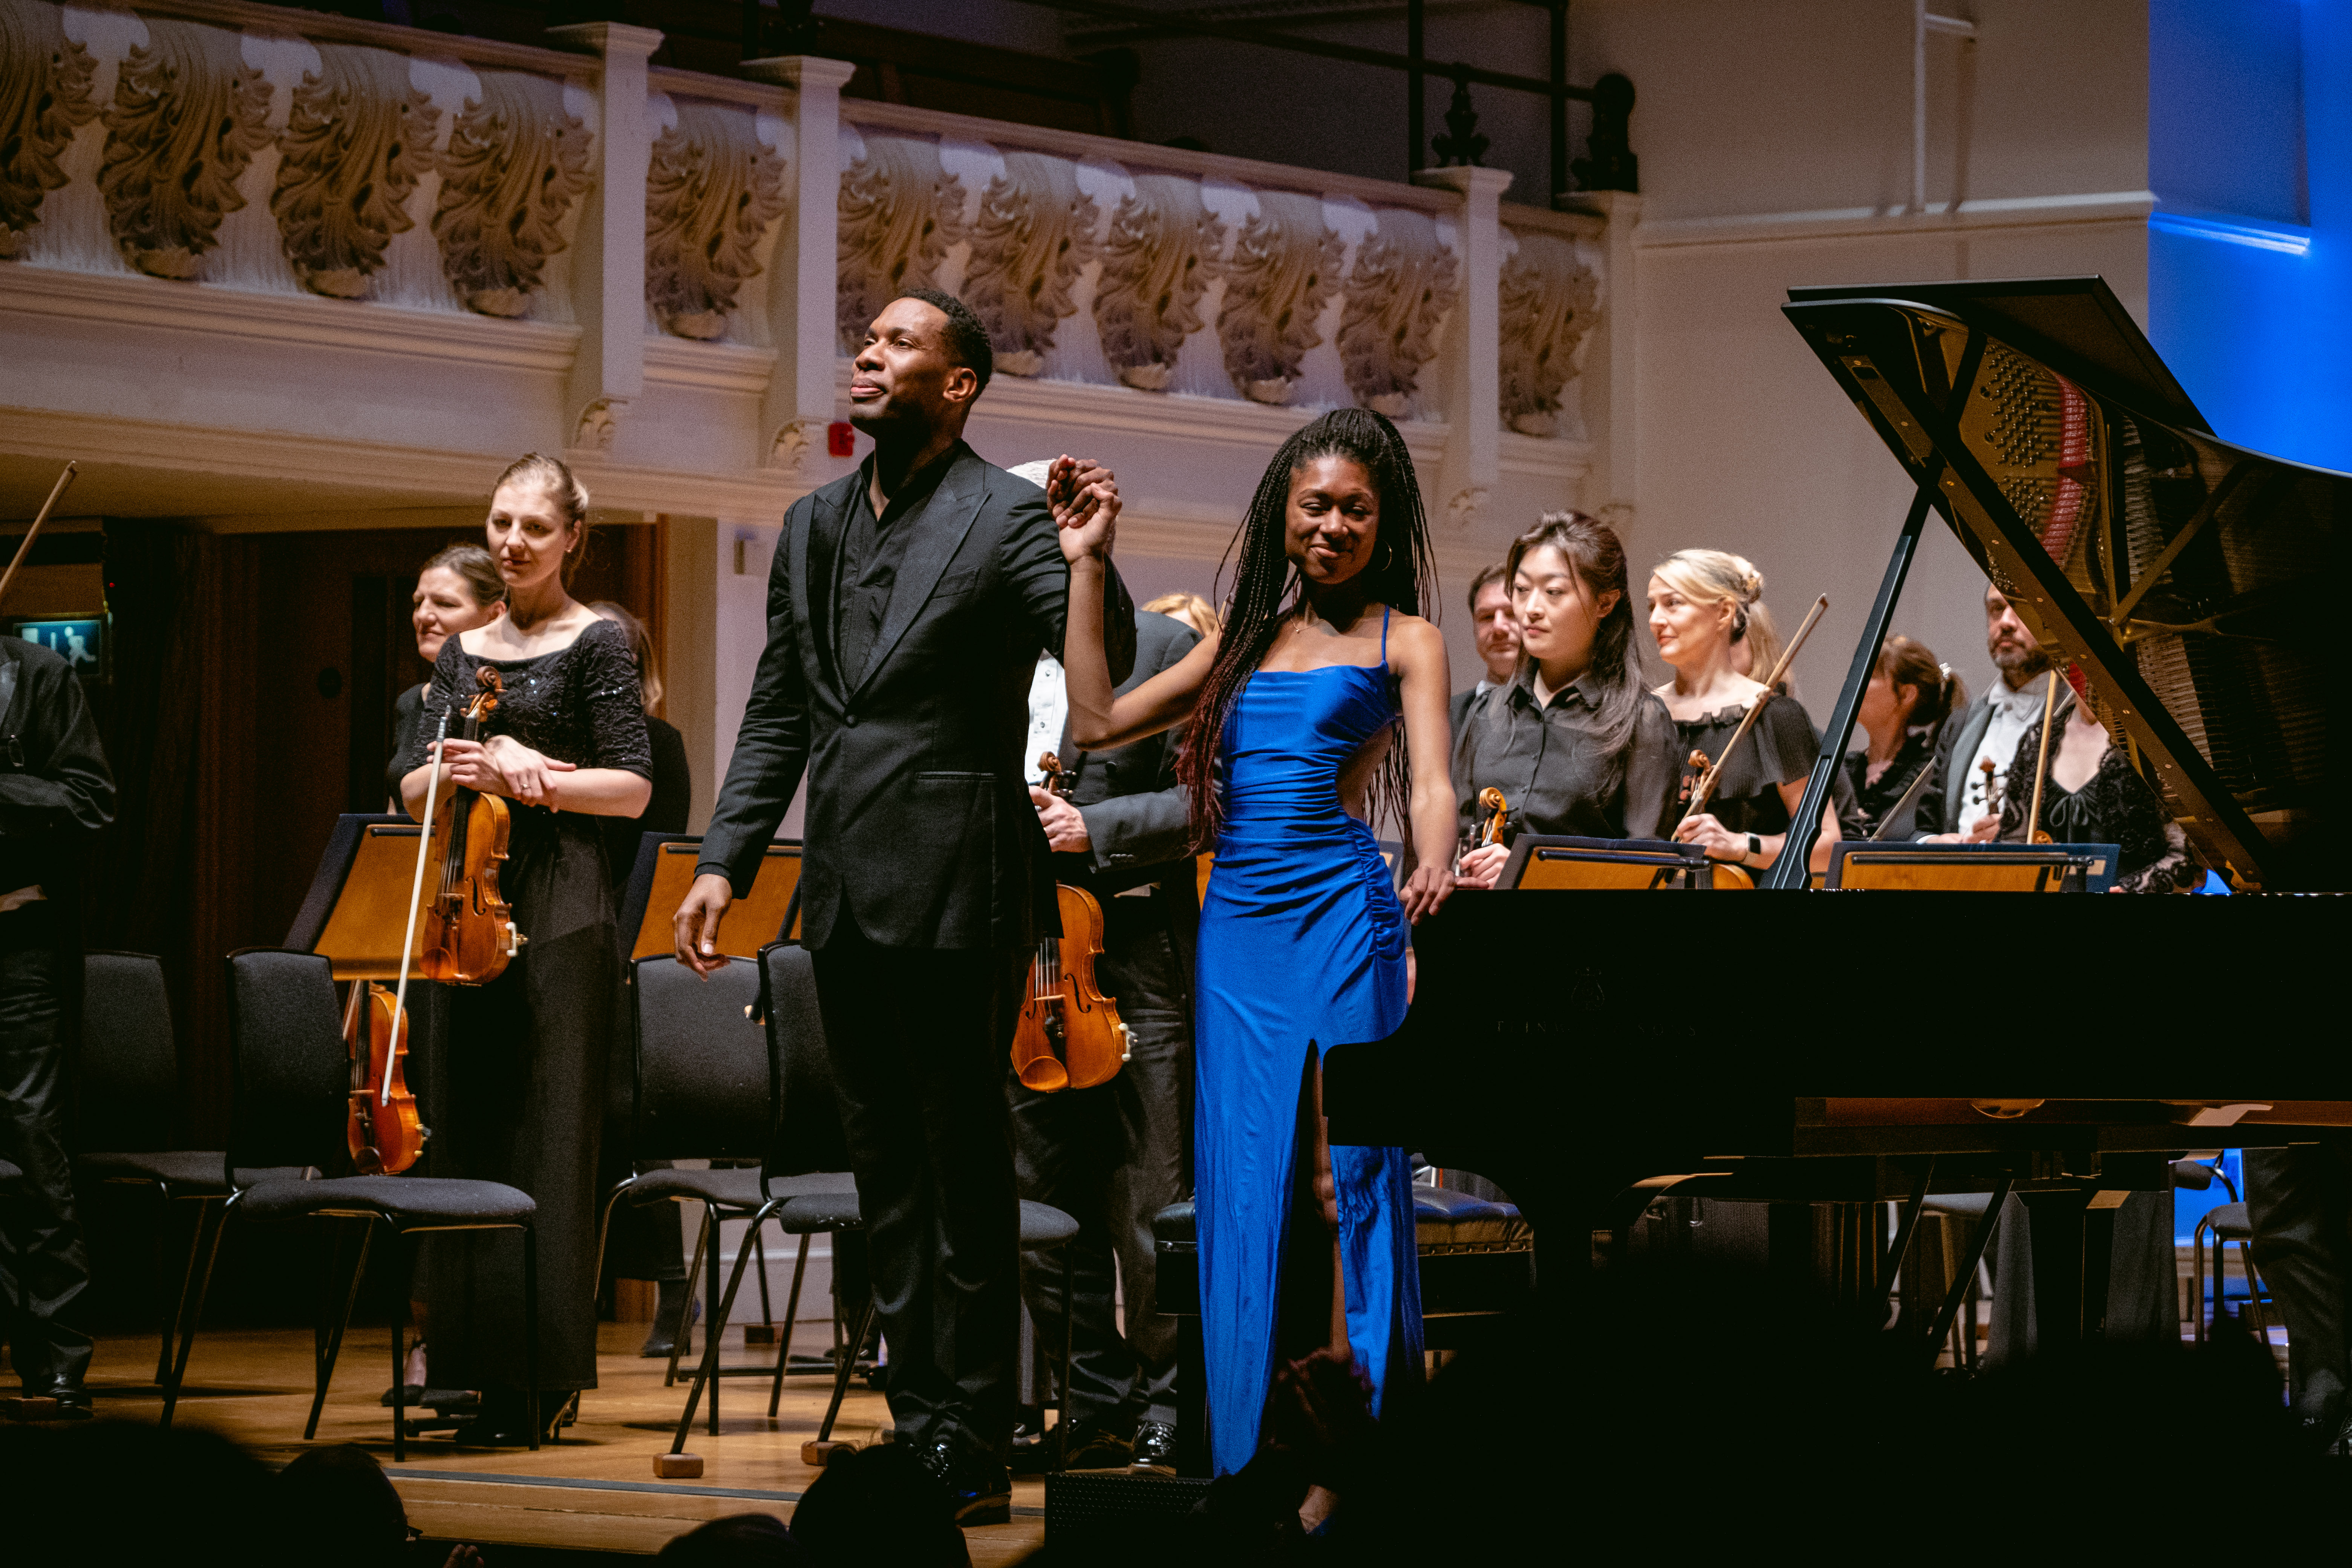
[906, 609]
[1492, 623]
[1910, 696]
[456, 591]
[1571, 739]
[1113, 1156]
[518, 1095]
[1962, 794]
[1703, 605]
[56, 794]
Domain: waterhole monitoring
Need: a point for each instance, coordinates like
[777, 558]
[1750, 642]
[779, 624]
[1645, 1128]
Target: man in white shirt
[1499, 639]
[1955, 803]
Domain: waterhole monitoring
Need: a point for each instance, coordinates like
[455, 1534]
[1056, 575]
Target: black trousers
[919, 1039]
[1111, 1157]
[44, 1269]
[2299, 1202]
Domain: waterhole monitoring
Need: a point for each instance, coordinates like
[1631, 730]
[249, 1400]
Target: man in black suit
[1499, 640]
[1954, 799]
[906, 608]
[1113, 1156]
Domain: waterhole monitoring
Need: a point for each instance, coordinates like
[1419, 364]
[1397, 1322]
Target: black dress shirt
[1554, 776]
[871, 549]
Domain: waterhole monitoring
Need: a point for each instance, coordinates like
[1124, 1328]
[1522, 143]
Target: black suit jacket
[919, 819]
[1942, 799]
[1139, 818]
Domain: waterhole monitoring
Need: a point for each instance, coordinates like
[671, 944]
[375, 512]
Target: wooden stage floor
[594, 1492]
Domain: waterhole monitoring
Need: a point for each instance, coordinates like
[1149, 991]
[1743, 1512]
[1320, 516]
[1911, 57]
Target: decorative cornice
[1972, 218]
[708, 367]
[423, 476]
[149, 305]
[279, 22]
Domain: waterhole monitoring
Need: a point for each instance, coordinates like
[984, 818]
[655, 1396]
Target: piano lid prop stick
[2042, 761]
[1704, 791]
[33, 533]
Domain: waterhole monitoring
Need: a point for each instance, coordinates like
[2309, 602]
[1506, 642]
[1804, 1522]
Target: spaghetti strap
[1385, 634]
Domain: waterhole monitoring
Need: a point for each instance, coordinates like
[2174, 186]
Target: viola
[1070, 1035]
[385, 1135]
[469, 931]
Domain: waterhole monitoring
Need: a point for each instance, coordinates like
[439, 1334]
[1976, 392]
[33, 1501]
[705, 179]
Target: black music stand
[357, 909]
[1634, 864]
[1860, 864]
[665, 871]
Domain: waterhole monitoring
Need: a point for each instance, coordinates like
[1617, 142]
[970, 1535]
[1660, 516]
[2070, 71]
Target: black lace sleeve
[611, 702]
[451, 671]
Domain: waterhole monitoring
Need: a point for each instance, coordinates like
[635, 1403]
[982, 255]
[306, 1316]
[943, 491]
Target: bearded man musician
[906, 608]
[1955, 801]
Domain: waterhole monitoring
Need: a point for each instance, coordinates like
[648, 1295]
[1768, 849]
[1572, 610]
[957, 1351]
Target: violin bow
[1704, 791]
[2042, 761]
[415, 896]
[1909, 794]
[25, 549]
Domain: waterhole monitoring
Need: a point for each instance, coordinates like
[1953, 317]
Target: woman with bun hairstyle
[520, 1096]
[1701, 604]
[1903, 709]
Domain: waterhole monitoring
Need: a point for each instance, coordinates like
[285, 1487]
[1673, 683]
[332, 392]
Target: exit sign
[81, 643]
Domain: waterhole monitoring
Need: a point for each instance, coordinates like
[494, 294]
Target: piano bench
[1478, 1260]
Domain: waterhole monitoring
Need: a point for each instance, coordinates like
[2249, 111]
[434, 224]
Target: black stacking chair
[128, 1070]
[701, 1093]
[806, 1134]
[292, 1108]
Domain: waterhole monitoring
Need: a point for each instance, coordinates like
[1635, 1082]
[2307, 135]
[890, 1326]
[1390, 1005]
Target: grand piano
[1845, 1049]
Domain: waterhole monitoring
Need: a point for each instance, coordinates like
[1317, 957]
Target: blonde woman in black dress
[520, 1092]
[1701, 605]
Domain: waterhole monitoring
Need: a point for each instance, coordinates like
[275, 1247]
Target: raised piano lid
[2194, 581]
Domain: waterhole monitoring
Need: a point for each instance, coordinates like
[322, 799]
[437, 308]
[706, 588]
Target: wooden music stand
[1631, 865]
[357, 909]
[664, 870]
[1859, 865]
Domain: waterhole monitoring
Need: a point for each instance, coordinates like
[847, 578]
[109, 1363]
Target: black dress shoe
[980, 1491]
[675, 1308]
[69, 1400]
[1093, 1448]
[1155, 1447]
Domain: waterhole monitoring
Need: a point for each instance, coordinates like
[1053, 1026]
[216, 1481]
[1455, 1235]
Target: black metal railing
[1609, 163]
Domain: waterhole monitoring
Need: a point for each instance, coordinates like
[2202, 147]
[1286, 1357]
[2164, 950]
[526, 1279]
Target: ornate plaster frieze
[1035, 234]
[711, 191]
[1547, 304]
[45, 93]
[1285, 263]
[1156, 264]
[358, 139]
[517, 161]
[1399, 292]
[186, 120]
[900, 212]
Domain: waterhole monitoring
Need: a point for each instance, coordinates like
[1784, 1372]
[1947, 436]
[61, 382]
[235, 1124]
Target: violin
[1728, 876]
[1070, 1035]
[1491, 801]
[469, 931]
[385, 1134]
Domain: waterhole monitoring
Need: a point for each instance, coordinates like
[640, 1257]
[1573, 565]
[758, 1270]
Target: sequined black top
[579, 704]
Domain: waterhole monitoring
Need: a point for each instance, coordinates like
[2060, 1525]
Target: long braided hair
[1267, 587]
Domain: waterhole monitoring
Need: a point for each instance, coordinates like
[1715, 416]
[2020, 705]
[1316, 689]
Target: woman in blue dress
[1293, 750]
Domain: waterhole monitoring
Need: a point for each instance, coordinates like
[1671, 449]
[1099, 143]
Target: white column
[609, 257]
[1474, 402]
[1611, 380]
[802, 279]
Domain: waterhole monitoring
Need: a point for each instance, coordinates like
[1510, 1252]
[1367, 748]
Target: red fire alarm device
[840, 440]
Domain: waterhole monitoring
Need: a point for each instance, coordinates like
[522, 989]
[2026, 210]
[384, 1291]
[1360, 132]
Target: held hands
[1482, 866]
[1064, 825]
[501, 765]
[1425, 891]
[695, 928]
[1084, 497]
[1719, 842]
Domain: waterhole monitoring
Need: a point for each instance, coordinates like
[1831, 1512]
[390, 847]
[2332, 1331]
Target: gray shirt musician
[56, 793]
[906, 608]
[1114, 1155]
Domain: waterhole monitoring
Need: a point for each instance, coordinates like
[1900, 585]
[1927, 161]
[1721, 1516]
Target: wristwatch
[1755, 847]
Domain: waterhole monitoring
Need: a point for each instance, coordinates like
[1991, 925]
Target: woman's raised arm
[1099, 719]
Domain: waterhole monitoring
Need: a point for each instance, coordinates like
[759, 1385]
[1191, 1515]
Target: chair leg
[530, 1333]
[848, 1365]
[2197, 1282]
[605, 1220]
[760, 1256]
[399, 1354]
[187, 1276]
[706, 1377]
[192, 1311]
[792, 1315]
[686, 1313]
[333, 1345]
[714, 1317]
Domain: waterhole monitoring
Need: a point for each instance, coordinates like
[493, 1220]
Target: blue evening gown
[1302, 947]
